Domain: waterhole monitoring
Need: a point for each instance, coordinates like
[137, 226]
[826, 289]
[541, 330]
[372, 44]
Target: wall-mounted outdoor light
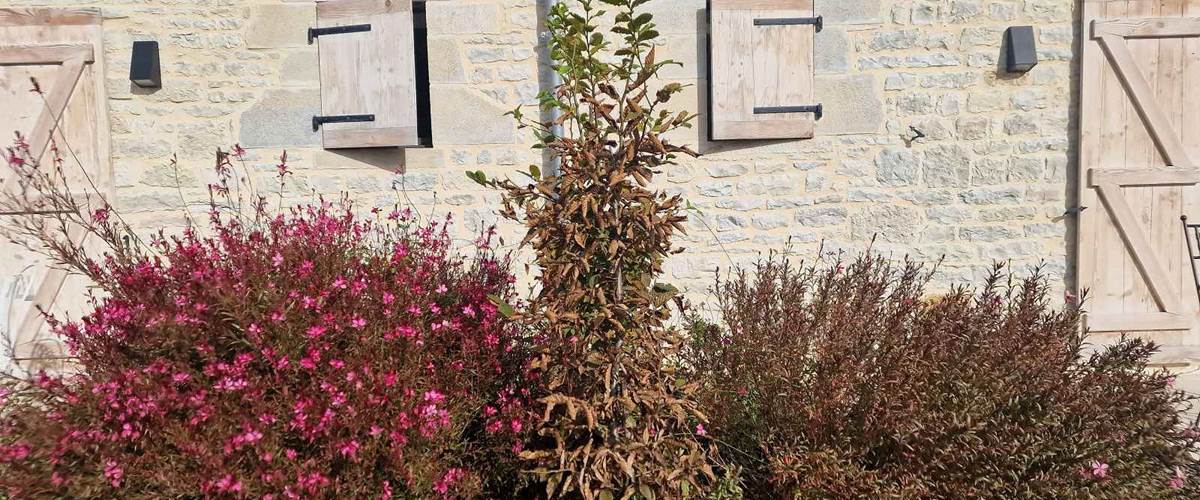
[144, 68]
[1022, 50]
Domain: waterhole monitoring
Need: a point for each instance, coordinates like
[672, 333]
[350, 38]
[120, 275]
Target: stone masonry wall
[988, 180]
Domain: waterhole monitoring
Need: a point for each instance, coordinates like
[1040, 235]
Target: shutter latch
[321, 120]
[817, 22]
[313, 33]
[816, 109]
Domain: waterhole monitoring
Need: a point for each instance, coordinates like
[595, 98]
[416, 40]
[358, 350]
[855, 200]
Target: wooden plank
[1111, 259]
[783, 69]
[1189, 111]
[1091, 77]
[46, 54]
[361, 8]
[379, 137]
[1136, 322]
[56, 104]
[1160, 176]
[1137, 294]
[49, 17]
[1165, 201]
[731, 74]
[1137, 243]
[749, 130]
[371, 72]
[1141, 93]
[1160, 27]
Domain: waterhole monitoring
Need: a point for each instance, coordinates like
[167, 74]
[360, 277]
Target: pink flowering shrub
[309, 354]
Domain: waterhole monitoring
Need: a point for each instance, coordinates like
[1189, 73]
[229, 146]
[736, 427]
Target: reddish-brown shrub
[847, 382]
[311, 354]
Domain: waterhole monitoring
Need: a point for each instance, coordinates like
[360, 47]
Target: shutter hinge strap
[817, 22]
[313, 33]
[816, 109]
[321, 120]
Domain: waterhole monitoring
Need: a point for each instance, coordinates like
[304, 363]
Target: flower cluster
[309, 354]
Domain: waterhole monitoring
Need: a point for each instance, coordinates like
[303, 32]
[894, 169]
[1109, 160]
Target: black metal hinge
[817, 110]
[313, 33]
[321, 120]
[817, 22]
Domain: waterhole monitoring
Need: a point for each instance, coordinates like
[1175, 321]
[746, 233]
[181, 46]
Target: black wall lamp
[1021, 53]
[144, 69]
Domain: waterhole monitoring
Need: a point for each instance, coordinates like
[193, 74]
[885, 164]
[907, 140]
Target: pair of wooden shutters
[369, 74]
[62, 50]
[1139, 142]
[761, 69]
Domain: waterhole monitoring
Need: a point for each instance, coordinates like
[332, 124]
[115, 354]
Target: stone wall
[987, 181]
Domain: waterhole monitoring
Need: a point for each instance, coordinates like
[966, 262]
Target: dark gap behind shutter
[421, 49]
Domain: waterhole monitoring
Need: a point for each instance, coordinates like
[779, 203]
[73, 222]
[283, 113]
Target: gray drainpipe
[548, 80]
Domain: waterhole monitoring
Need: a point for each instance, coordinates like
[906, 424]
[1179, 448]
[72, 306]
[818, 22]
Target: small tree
[616, 420]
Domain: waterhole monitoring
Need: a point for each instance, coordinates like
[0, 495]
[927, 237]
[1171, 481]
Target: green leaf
[503, 306]
[535, 172]
[478, 176]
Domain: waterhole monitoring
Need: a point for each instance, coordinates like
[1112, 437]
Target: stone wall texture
[985, 181]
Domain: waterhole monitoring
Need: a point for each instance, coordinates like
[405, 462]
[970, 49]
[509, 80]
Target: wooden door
[61, 50]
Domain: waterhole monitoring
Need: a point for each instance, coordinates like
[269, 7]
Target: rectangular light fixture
[1021, 53]
[144, 68]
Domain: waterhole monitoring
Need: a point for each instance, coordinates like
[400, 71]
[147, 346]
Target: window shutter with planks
[368, 74]
[761, 69]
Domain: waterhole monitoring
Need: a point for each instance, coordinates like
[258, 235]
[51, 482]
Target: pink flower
[315, 331]
[349, 449]
[1099, 470]
[451, 477]
[100, 216]
[14, 160]
[238, 151]
[113, 473]
[700, 430]
[1178, 480]
[358, 323]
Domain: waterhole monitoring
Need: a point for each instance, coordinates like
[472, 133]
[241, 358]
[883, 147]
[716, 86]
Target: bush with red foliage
[848, 382]
[310, 354]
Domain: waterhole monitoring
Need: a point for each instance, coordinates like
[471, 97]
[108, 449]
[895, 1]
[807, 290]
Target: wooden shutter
[1139, 139]
[369, 70]
[62, 50]
[761, 66]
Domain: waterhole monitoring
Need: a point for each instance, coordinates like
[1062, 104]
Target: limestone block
[850, 11]
[897, 167]
[281, 118]
[453, 17]
[276, 26]
[461, 116]
[853, 105]
[831, 52]
[947, 165]
[445, 61]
